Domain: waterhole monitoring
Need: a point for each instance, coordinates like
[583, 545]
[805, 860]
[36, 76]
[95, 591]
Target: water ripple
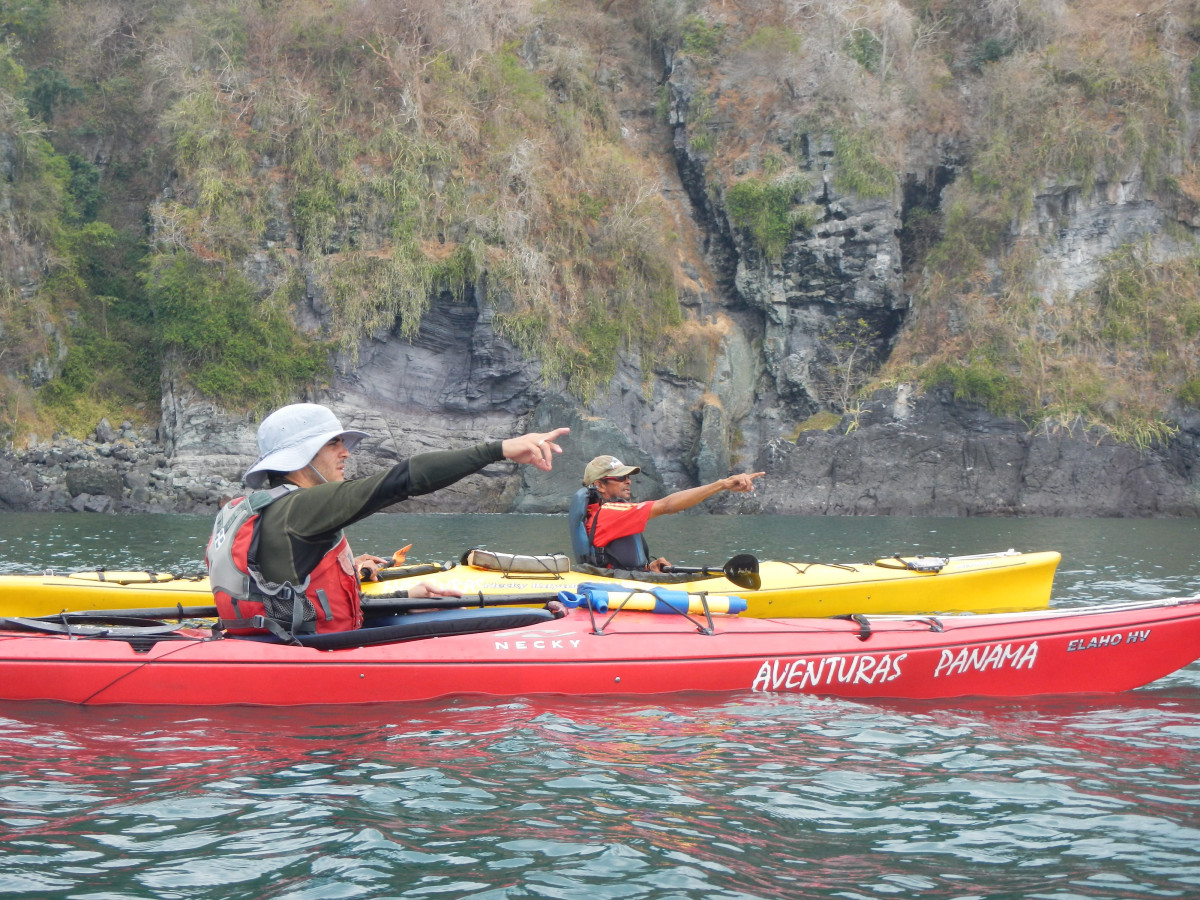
[698, 798]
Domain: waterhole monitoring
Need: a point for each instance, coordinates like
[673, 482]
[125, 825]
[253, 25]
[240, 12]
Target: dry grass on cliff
[1092, 95]
[1029, 94]
[1116, 356]
[395, 150]
[389, 129]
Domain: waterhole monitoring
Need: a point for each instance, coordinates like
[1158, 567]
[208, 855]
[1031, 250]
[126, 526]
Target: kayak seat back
[516, 563]
[580, 545]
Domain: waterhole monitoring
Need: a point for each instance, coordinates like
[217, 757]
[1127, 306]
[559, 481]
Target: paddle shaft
[693, 570]
[389, 572]
[369, 605]
[741, 570]
[147, 612]
[403, 604]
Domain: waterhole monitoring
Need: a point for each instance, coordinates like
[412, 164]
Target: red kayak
[521, 652]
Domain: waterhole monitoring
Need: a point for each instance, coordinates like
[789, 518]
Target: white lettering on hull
[983, 659]
[559, 644]
[801, 674]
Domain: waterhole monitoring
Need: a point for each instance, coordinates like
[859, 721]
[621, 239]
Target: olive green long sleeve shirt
[297, 530]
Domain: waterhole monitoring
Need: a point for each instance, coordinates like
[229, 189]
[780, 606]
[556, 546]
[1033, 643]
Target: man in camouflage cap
[607, 526]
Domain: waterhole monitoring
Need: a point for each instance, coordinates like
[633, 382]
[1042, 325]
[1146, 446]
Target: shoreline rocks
[934, 456]
[926, 456]
[122, 470]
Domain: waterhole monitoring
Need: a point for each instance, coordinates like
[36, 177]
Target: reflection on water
[759, 797]
[681, 797]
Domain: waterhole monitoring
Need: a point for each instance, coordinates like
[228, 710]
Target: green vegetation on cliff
[1041, 110]
[255, 153]
[186, 183]
[1064, 111]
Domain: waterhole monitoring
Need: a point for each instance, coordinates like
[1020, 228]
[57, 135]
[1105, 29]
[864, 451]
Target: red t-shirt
[617, 520]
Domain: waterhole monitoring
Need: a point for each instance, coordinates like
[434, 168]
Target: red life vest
[247, 603]
[628, 552]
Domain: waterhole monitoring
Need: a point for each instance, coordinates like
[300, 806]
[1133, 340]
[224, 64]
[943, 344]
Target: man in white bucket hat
[290, 438]
[278, 559]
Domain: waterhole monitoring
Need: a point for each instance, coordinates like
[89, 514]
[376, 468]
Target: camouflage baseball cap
[606, 467]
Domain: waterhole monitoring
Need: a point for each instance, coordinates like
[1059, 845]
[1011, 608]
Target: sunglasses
[622, 479]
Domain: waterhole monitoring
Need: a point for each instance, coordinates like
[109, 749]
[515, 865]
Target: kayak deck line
[920, 563]
[935, 622]
[947, 625]
[964, 620]
[125, 578]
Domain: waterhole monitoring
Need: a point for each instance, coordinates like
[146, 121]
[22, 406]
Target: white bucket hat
[290, 437]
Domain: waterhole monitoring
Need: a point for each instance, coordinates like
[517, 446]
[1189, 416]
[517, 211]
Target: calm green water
[743, 797]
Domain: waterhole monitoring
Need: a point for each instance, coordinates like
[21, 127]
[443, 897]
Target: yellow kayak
[1008, 581]
[48, 594]
[989, 582]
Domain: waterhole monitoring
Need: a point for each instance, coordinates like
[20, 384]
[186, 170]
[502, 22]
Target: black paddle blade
[742, 570]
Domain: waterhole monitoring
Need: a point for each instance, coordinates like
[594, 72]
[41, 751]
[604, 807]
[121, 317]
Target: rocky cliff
[776, 328]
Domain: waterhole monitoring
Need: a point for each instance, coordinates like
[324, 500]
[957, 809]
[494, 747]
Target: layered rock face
[775, 325]
[457, 383]
[930, 456]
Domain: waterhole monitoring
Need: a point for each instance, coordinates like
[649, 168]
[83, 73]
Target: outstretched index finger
[535, 449]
